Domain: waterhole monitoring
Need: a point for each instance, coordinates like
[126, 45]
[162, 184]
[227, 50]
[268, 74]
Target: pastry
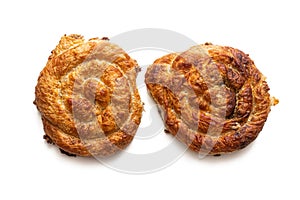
[87, 97]
[212, 98]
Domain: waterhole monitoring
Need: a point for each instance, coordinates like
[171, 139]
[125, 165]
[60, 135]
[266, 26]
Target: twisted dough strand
[212, 98]
[88, 98]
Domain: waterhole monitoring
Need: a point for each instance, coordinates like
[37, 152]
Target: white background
[267, 169]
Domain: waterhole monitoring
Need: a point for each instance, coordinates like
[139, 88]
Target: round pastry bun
[87, 97]
[212, 98]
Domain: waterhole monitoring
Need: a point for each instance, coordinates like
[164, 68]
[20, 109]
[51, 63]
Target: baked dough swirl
[212, 98]
[87, 97]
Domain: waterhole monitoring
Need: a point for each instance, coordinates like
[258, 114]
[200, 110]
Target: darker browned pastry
[88, 98]
[212, 98]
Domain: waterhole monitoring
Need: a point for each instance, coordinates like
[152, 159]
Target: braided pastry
[212, 98]
[88, 98]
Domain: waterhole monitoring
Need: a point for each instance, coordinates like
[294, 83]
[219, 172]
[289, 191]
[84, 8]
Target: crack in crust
[212, 98]
[88, 98]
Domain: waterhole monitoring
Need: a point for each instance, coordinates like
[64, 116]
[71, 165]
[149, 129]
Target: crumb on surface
[48, 139]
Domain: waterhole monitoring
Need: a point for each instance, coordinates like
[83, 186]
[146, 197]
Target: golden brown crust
[212, 98]
[88, 98]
